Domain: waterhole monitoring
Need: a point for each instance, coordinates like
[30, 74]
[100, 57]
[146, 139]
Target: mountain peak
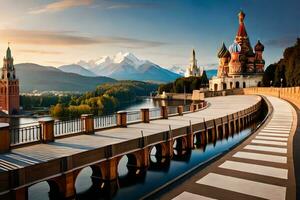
[125, 65]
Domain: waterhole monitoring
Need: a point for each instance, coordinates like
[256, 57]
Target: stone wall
[291, 94]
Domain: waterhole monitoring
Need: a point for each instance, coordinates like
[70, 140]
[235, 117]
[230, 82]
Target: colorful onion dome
[235, 48]
[223, 52]
[259, 46]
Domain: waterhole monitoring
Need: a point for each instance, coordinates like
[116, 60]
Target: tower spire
[8, 52]
[194, 61]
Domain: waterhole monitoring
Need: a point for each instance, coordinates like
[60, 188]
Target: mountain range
[84, 76]
[126, 66]
[44, 78]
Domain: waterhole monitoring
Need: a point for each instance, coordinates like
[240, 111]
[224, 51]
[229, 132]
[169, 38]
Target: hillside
[287, 69]
[104, 99]
[41, 78]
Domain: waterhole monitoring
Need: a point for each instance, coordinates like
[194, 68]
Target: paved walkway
[259, 168]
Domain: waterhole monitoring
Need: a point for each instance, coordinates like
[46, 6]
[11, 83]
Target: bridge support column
[47, 130]
[145, 115]
[122, 119]
[4, 137]
[180, 110]
[168, 150]
[109, 169]
[190, 141]
[66, 184]
[88, 122]
[19, 194]
[164, 112]
[203, 137]
[143, 161]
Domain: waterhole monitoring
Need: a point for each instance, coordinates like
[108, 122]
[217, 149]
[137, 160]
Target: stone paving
[259, 168]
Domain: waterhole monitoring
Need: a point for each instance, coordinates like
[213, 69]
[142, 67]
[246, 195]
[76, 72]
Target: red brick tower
[9, 86]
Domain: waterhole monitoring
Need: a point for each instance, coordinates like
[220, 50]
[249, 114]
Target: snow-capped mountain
[126, 66]
[77, 69]
[177, 69]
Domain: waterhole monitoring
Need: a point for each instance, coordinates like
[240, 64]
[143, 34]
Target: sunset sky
[163, 31]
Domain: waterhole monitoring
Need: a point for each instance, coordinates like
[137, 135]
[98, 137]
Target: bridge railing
[48, 130]
[172, 110]
[27, 134]
[134, 116]
[154, 113]
[105, 121]
[68, 127]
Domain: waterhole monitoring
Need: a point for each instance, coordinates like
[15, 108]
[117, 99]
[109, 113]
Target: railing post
[47, 129]
[193, 107]
[122, 119]
[180, 110]
[88, 123]
[4, 137]
[145, 115]
[164, 112]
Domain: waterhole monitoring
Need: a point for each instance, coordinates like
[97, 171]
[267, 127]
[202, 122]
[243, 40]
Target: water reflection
[134, 183]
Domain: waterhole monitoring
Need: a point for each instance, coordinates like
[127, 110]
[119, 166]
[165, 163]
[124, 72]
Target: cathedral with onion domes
[239, 66]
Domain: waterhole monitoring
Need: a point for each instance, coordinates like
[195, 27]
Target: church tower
[9, 86]
[193, 69]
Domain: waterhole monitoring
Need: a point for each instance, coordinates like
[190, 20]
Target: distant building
[9, 86]
[239, 67]
[193, 69]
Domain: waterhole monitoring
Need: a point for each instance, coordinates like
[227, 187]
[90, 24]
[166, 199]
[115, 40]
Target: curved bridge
[59, 162]
[263, 167]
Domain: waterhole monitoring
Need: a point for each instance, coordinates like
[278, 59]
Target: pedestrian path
[259, 168]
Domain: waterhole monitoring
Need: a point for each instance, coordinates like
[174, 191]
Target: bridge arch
[87, 177]
[179, 145]
[50, 188]
[127, 164]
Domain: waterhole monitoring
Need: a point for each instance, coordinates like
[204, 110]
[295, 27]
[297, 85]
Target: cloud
[69, 38]
[39, 52]
[102, 4]
[281, 42]
[61, 5]
[119, 5]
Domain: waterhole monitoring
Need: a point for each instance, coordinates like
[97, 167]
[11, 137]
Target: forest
[105, 99]
[188, 84]
[286, 72]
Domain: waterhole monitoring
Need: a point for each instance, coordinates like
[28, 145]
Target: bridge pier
[167, 149]
[109, 169]
[19, 194]
[66, 184]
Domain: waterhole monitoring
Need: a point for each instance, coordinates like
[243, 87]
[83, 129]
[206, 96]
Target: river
[142, 103]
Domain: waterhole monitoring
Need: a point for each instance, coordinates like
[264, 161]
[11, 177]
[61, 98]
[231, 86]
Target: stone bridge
[59, 159]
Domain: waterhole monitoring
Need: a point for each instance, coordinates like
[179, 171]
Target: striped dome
[235, 48]
[223, 52]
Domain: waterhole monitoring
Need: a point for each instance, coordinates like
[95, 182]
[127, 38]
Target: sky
[60, 32]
